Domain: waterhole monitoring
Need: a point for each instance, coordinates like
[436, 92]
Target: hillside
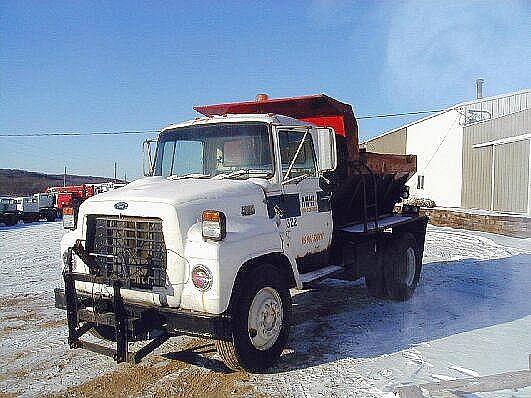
[21, 182]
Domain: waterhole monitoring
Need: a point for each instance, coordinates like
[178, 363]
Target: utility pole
[114, 171]
[125, 176]
[64, 178]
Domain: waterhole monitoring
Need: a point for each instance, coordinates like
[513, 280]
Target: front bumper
[171, 320]
[125, 321]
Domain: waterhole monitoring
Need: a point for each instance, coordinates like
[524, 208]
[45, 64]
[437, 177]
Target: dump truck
[68, 199]
[239, 206]
[9, 214]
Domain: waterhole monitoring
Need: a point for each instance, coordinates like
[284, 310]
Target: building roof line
[453, 107]
[494, 97]
[408, 125]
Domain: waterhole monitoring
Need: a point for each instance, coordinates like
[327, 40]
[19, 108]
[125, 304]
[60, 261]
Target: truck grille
[130, 249]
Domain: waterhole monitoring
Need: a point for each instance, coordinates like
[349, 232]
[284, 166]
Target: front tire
[402, 267]
[260, 321]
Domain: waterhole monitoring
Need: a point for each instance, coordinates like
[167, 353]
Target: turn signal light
[214, 225]
[68, 211]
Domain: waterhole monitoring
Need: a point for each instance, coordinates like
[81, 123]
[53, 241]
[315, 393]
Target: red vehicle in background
[68, 200]
[71, 195]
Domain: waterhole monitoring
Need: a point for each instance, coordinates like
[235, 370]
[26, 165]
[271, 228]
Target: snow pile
[448, 244]
[470, 315]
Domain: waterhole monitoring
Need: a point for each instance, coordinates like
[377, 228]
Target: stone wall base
[504, 224]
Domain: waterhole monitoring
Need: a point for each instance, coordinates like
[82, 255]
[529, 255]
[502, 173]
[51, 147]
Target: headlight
[202, 277]
[214, 225]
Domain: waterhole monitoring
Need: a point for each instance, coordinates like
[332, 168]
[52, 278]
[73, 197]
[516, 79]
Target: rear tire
[376, 286]
[402, 267]
[261, 317]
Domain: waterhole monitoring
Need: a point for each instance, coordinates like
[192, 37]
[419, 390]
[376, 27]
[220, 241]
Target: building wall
[511, 177]
[394, 142]
[437, 142]
[497, 177]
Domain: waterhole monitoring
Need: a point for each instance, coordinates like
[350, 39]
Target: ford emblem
[120, 206]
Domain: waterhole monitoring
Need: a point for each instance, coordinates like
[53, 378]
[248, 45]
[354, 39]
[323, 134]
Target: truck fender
[263, 256]
[276, 258]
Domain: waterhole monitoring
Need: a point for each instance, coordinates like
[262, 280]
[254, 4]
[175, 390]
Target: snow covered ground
[470, 315]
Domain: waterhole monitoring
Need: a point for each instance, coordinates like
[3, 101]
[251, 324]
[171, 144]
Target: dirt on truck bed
[471, 315]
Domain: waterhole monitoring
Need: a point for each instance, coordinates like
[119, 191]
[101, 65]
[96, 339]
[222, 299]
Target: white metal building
[472, 155]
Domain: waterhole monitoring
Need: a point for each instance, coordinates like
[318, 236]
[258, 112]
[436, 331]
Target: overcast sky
[93, 66]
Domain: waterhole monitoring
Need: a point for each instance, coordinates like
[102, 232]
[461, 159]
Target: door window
[297, 154]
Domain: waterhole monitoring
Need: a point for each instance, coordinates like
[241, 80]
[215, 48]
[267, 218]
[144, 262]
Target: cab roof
[251, 117]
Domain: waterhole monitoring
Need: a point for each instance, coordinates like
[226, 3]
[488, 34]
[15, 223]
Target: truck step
[319, 273]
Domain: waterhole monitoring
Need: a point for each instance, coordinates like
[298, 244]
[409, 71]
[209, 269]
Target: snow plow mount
[81, 320]
[129, 322]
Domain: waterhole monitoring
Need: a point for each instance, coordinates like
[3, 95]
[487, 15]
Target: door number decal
[291, 222]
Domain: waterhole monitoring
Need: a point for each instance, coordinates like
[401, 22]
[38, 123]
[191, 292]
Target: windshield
[227, 149]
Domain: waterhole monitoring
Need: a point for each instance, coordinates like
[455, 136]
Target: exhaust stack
[479, 88]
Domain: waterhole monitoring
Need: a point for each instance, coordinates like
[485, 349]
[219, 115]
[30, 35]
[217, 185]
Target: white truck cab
[236, 210]
[9, 215]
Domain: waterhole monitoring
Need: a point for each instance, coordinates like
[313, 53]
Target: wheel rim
[410, 267]
[265, 318]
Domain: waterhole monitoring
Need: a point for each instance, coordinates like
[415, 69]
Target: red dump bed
[319, 109]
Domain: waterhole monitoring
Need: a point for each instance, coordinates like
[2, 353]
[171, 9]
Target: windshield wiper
[190, 175]
[238, 173]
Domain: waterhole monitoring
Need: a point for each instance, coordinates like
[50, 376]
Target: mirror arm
[148, 155]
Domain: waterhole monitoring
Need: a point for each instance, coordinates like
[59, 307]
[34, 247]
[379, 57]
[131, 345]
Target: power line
[398, 114]
[77, 134]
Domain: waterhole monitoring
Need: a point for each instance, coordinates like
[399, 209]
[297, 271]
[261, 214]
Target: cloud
[435, 50]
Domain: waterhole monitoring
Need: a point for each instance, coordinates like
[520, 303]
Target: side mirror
[148, 152]
[325, 148]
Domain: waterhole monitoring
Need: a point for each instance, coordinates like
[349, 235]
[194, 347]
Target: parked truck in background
[28, 208]
[46, 206]
[240, 206]
[68, 199]
[9, 214]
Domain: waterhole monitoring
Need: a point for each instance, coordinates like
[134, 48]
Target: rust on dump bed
[387, 163]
